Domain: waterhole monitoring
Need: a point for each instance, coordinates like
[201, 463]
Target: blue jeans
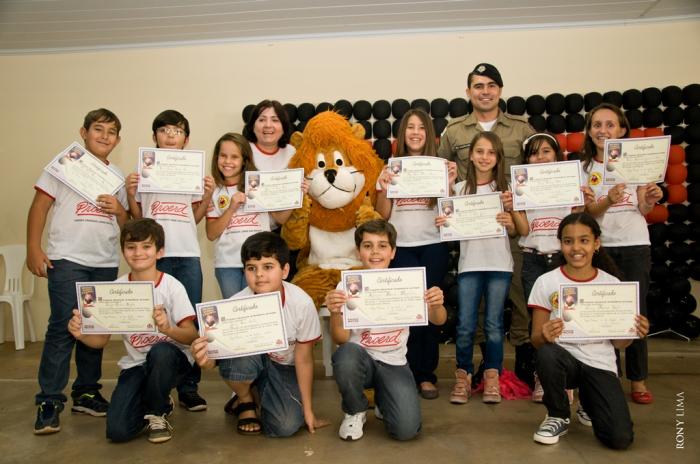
[54, 367]
[231, 280]
[145, 389]
[394, 389]
[189, 272]
[493, 286]
[281, 410]
[423, 349]
[634, 262]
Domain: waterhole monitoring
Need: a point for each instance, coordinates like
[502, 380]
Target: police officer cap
[490, 71]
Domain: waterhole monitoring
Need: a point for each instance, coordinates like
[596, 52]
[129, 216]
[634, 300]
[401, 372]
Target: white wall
[44, 97]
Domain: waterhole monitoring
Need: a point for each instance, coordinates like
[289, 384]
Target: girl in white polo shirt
[227, 223]
[620, 211]
[418, 241]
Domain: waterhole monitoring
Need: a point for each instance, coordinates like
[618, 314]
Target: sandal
[428, 390]
[245, 421]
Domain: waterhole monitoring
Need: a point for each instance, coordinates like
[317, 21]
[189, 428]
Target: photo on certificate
[171, 171]
[243, 326]
[636, 161]
[384, 298]
[85, 174]
[547, 185]
[599, 311]
[116, 307]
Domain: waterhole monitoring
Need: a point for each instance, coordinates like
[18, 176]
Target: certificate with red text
[599, 311]
[84, 173]
[171, 171]
[243, 326]
[116, 307]
[384, 298]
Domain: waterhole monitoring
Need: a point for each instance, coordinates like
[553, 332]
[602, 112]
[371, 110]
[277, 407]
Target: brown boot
[492, 390]
[462, 390]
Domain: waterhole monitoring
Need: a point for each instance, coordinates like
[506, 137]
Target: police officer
[484, 88]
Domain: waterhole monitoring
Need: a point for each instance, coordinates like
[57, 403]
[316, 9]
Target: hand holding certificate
[418, 177]
[636, 161]
[546, 185]
[171, 171]
[599, 311]
[384, 298]
[116, 307]
[84, 173]
[243, 326]
[471, 217]
[273, 190]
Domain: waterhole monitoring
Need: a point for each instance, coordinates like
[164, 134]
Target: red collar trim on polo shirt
[265, 152]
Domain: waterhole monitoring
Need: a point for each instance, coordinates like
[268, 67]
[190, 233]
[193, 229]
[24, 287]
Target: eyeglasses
[170, 131]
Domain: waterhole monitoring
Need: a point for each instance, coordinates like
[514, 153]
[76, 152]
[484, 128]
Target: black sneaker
[47, 418]
[90, 403]
[159, 429]
[192, 401]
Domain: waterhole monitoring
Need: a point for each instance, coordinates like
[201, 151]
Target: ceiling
[38, 26]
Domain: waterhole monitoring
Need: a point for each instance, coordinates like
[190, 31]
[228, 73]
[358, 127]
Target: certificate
[636, 161]
[546, 185]
[599, 311]
[384, 298]
[243, 326]
[418, 177]
[84, 173]
[471, 217]
[171, 171]
[116, 307]
[273, 190]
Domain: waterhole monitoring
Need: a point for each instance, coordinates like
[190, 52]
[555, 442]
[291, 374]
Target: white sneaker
[351, 428]
[583, 416]
[551, 429]
[159, 429]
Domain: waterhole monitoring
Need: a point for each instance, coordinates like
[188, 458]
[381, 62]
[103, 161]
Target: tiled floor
[474, 433]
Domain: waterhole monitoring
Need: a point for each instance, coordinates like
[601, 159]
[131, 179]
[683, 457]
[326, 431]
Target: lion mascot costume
[342, 170]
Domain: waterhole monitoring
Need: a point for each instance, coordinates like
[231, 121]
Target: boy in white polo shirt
[179, 215]
[376, 358]
[155, 362]
[284, 379]
[82, 246]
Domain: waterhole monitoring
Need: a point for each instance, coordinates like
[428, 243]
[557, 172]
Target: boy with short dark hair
[377, 357]
[82, 246]
[179, 215]
[284, 379]
[154, 363]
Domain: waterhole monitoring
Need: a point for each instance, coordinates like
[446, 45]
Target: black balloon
[677, 213]
[368, 128]
[344, 108]
[399, 108]
[516, 105]
[575, 122]
[323, 106]
[439, 108]
[538, 122]
[556, 123]
[692, 154]
[691, 94]
[381, 129]
[291, 110]
[247, 111]
[652, 117]
[421, 103]
[458, 107]
[651, 97]
[691, 114]
[613, 97]
[678, 232]
[672, 95]
[573, 103]
[686, 303]
[635, 118]
[591, 100]
[631, 99]
[673, 116]
[692, 133]
[383, 148]
[381, 109]
[677, 134]
[535, 105]
[362, 110]
[689, 326]
[439, 125]
[305, 111]
[554, 103]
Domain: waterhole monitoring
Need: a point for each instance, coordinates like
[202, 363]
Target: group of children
[273, 393]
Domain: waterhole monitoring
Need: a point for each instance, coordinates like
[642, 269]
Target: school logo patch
[595, 178]
[554, 300]
[223, 201]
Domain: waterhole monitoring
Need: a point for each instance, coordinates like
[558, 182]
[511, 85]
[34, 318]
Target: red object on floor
[643, 397]
[512, 388]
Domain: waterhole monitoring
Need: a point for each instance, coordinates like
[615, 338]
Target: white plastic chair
[13, 294]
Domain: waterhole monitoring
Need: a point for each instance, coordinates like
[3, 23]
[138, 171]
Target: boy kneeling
[368, 358]
[284, 379]
[154, 363]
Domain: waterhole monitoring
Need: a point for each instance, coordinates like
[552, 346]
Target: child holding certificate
[377, 357]
[620, 211]
[590, 366]
[81, 247]
[179, 215]
[155, 362]
[418, 241]
[283, 379]
[538, 230]
[227, 223]
[485, 269]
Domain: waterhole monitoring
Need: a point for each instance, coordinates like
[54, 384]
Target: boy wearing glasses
[179, 215]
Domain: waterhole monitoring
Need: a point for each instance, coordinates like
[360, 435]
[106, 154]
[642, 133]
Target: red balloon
[653, 132]
[676, 155]
[658, 215]
[676, 174]
[574, 141]
[677, 194]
